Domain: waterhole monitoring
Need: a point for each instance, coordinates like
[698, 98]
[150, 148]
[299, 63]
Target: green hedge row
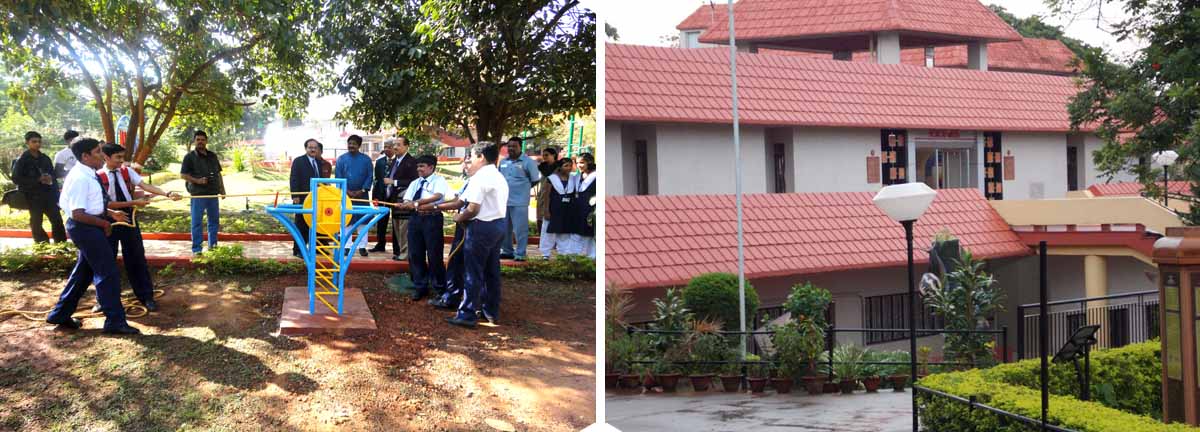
[941, 414]
[1125, 389]
[1127, 378]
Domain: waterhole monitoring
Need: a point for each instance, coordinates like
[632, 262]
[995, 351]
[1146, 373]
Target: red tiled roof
[692, 86]
[655, 241]
[1135, 188]
[1026, 55]
[767, 20]
[705, 16]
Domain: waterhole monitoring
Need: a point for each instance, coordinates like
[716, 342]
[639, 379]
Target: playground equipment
[331, 222]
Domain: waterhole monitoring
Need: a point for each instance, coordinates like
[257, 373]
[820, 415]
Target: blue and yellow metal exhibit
[332, 220]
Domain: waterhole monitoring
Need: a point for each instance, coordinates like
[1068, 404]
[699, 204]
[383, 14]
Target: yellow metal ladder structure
[328, 269]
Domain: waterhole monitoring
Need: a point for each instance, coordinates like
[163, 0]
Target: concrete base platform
[356, 317]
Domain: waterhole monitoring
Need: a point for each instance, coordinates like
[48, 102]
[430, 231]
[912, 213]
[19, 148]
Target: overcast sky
[644, 22]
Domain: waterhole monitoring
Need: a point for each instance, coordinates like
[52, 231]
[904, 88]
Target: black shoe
[70, 323]
[378, 249]
[123, 330]
[461, 322]
[151, 306]
[506, 256]
[362, 251]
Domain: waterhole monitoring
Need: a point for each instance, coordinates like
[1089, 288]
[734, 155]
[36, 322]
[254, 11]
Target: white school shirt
[66, 158]
[112, 192]
[434, 184]
[489, 189]
[81, 190]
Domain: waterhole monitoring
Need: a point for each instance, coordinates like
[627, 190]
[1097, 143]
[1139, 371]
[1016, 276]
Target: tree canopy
[482, 68]
[165, 61]
[1150, 103]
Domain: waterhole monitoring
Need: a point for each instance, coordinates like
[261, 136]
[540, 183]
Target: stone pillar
[977, 56]
[1095, 284]
[887, 47]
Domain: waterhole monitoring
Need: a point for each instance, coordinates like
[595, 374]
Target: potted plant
[789, 356]
[871, 372]
[707, 346]
[758, 373]
[810, 346]
[731, 376]
[667, 375]
[923, 354]
[847, 367]
[897, 372]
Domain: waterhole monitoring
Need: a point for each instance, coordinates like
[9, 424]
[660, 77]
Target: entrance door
[947, 168]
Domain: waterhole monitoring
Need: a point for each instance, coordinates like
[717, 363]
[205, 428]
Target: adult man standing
[118, 183]
[304, 168]
[202, 171]
[383, 166]
[487, 196]
[64, 160]
[425, 236]
[521, 173]
[34, 175]
[402, 174]
[355, 167]
[90, 226]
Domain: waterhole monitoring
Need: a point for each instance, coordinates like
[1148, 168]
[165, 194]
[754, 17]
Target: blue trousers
[130, 241]
[456, 268]
[425, 248]
[482, 250]
[518, 229]
[96, 265]
[200, 206]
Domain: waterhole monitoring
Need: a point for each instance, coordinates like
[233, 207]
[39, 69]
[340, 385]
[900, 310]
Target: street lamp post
[1165, 159]
[905, 203]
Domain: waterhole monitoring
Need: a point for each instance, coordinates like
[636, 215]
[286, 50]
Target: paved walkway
[711, 411]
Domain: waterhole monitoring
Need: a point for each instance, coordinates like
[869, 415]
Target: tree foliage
[482, 68]
[1152, 102]
[164, 62]
[1034, 27]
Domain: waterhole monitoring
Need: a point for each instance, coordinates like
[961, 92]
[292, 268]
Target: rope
[133, 309]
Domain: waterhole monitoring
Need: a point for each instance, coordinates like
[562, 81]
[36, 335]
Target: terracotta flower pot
[848, 386]
[758, 385]
[630, 381]
[669, 382]
[898, 382]
[782, 385]
[610, 380]
[701, 382]
[871, 383]
[731, 383]
[814, 385]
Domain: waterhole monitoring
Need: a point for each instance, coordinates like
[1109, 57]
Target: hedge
[1125, 392]
[941, 414]
[1127, 378]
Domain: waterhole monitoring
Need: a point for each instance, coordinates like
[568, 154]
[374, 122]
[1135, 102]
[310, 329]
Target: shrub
[808, 300]
[39, 257]
[714, 296]
[942, 414]
[562, 267]
[790, 353]
[231, 260]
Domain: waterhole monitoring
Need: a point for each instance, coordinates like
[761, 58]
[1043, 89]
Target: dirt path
[208, 361]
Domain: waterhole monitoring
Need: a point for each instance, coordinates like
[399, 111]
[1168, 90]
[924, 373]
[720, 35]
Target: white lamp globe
[905, 202]
[1165, 158]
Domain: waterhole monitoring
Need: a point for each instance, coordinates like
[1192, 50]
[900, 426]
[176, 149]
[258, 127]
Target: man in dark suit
[383, 166]
[403, 172]
[304, 169]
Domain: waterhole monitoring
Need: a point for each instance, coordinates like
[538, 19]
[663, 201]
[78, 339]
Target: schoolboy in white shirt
[426, 244]
[487, 198]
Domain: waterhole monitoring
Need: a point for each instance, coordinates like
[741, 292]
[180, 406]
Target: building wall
[1040, 161]
[617, 160]
[834, 159]
[698, 159]
[1092, 143]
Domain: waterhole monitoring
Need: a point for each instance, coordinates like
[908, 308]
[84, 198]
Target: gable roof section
[704, 17]
[768, 20]
[655, 241]
[692, 86]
